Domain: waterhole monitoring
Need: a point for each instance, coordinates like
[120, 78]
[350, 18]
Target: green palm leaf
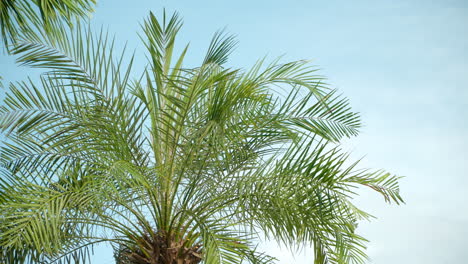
[23, 18]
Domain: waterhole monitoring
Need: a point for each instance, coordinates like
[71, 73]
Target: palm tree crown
[179, 165]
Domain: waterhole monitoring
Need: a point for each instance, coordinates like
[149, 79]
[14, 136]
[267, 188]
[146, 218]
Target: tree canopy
[175, 164]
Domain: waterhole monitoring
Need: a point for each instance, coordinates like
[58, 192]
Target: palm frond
[23, 18]
[220, 48]
[331, 117]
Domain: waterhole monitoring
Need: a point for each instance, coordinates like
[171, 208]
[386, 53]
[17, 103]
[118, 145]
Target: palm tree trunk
[158, 249]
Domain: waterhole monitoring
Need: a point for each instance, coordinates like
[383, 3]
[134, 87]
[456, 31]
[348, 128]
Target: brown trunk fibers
[159, 249]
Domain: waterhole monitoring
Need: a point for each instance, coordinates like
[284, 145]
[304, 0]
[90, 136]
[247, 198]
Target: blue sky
[404, 66]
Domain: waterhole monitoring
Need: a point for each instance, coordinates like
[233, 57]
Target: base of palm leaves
[158, 248]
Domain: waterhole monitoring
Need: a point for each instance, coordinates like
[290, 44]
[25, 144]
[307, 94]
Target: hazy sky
[404, 66]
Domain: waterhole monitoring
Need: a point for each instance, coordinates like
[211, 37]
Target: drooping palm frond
[39, 221]
[29, 18]
[193, 165]
[84, 67]
[330, 117]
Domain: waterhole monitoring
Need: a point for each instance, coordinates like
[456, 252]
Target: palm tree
[179, 165]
